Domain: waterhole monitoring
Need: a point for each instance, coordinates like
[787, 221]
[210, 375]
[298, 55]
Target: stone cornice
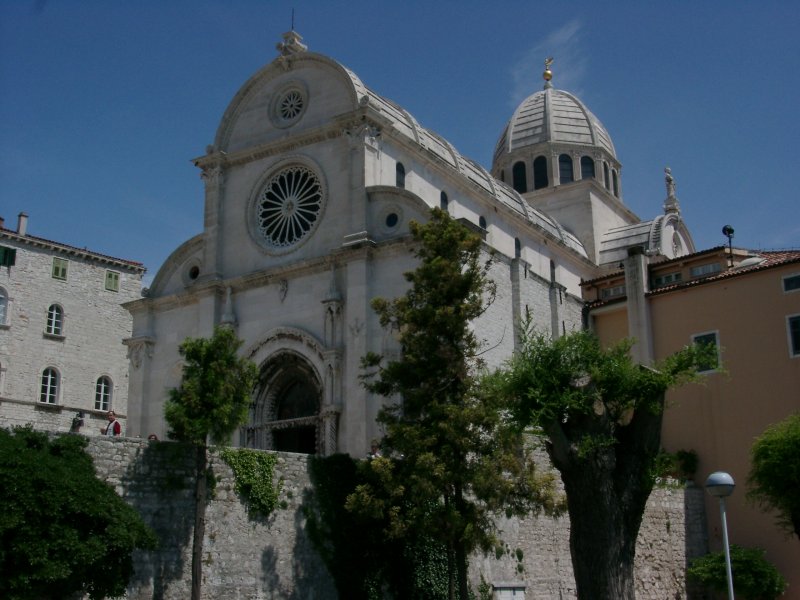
[259, 279]
[332, 130]
[66, 250]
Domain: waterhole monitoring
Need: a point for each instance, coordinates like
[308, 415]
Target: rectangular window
[612, 292]
[112, 281]
[710, 339]
[708, 269]
[791, 283]
[8, 256]
[793, 324]
[60, 268]
[667, 279]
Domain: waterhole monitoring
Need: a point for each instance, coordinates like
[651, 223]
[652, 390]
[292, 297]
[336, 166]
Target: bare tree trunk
[200, 491]
[601, 545]
[607, 490]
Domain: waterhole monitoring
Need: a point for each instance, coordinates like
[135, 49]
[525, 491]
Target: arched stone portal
[286, 414]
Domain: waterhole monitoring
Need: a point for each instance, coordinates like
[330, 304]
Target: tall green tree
[774, 480]
[62, 530]
[452, 459]
[211, 402]
[600, 415]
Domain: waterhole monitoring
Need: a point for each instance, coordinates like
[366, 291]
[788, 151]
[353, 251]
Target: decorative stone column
[639, 324]
[213, 178]
[140, 353]
[555, 168]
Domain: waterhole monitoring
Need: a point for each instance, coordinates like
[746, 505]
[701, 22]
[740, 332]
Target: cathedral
[310, 185]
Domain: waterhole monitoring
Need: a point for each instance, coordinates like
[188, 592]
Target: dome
[553, 116]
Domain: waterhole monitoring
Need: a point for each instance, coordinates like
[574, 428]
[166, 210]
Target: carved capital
[139, 349]
[212, 175]
[363, 133]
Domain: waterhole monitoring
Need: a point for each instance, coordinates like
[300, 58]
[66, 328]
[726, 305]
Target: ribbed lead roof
[552, 115]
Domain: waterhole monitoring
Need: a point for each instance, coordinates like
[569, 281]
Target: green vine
[255, 480]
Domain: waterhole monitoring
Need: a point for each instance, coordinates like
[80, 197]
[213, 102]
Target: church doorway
[286, 413]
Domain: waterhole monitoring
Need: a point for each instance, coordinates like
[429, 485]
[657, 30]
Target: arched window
[606, 177]
[400, 172]
[3, 306]
[482, 222]
[55, 320]
[565, 168]
[443, 201]
[102, 394]
[540, 178]
[517, 248]
[49, 393]
[587, 167]
[520, 182]
[615, 182]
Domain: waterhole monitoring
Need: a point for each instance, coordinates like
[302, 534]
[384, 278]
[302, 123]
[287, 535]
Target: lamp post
[721, 484]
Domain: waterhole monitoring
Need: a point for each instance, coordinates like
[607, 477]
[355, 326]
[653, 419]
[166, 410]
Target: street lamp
[721, 484]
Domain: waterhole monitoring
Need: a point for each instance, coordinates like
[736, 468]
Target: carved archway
[294, 407]
[285, 415]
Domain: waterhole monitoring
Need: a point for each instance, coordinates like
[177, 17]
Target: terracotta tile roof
[772, 258]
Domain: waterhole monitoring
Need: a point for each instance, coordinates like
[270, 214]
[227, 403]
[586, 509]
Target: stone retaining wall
[252, 559]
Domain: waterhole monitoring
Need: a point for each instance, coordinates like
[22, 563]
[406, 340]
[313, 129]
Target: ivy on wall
[363, 562]
[254, 475]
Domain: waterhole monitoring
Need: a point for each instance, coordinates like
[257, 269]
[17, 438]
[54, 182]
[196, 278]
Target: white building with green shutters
[61, 332]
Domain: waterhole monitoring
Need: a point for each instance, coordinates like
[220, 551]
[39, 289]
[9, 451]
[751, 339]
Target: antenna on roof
[727, 231]
[293, 18]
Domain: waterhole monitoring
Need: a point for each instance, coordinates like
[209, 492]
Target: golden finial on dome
[548, 74]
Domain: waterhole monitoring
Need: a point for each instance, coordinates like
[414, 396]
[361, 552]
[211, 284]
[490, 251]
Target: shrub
[754, 577]
[62, 530]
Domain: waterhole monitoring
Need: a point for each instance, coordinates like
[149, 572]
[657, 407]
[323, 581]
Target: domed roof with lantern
[552, 116]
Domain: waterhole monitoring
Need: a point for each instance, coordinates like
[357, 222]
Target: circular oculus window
[288, 207]
[288, 105]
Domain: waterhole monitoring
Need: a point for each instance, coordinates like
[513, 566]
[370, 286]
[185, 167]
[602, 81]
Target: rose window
[288, 208]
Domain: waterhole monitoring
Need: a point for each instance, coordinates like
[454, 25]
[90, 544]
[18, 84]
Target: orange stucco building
[748, 304]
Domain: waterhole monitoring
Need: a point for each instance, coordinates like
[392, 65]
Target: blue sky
[103, 104]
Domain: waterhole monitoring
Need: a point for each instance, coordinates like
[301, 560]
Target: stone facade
[255, 559]
[310, 186]
[72, 324]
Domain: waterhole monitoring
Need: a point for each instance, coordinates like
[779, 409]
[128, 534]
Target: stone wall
[255, 559]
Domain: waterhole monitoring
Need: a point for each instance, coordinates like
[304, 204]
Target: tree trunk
[601, 545]
[461, 553]
[200, 486]
[451, 573]
[451, 565]
[607, 491]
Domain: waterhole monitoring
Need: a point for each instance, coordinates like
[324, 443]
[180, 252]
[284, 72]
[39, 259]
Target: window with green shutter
[60, 268]
[112, 281]
[8, 256]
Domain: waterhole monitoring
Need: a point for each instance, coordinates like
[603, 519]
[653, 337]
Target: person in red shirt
[113, 429]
